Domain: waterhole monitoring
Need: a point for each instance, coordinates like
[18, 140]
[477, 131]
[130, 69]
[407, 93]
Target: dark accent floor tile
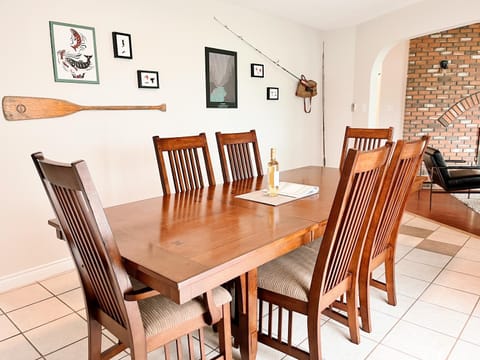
[439, 247]
[414, 231]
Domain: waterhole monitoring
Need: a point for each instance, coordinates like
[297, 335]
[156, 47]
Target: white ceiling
[326, 14]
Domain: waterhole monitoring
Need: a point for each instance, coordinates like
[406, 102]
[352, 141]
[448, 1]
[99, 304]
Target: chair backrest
[436, 166]
[356, 195]
[364, 139]
[184, 158]
[89, 237]
[239, 147]
[400, 174]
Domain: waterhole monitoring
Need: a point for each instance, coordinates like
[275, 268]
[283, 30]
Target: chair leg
[352, 314]
[94, 339]
[390, 278]
[364, 292]
[225, 333]
[314, 338]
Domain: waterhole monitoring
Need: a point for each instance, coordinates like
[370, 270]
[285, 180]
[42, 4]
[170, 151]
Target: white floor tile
[401, 251]
[472, 254]
[428, 257]
[417, 270]
[378, 301]
[7, 329]
[336, 344]
[74, 299]
[423, 223]
[438, 318]
[472, 331]
[58, 333]
[408, 240]
[476, 311]
[459, 281]
[450, 298]
[62, 283]
[464, 351]
[38, 314]
[18, 348]
[381, 325]
[419, 342]
[382, 352]
[79, 350]
[24, 296]
[409, 286]
[406, 217]
[449, 235]
[473, 242]
[464, 266]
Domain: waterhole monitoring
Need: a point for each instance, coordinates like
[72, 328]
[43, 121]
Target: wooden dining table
[187, 243]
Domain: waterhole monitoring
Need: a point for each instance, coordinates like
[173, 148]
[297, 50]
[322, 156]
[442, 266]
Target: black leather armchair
[451, 178]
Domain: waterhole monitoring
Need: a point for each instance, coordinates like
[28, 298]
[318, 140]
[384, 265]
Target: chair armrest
[140, 294]
[214, 313]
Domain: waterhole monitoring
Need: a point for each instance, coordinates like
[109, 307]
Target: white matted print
[147, 79]
[74, 53]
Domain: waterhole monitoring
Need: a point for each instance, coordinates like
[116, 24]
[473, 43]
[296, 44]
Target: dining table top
[187, 243]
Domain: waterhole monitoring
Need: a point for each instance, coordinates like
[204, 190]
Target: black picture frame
[273, 93]
[122, 45]
[147, 79]
[221, 78]
[257, 70]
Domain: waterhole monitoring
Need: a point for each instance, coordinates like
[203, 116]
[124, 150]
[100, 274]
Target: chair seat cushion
[289, 275]
[462, 173]
[315, 244]
[160, 313]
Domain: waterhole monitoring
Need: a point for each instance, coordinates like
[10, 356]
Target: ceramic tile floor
[437, 316]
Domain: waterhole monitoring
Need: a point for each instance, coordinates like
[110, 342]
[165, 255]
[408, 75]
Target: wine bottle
[273, 174]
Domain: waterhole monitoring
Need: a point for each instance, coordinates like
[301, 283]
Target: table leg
[248, 315]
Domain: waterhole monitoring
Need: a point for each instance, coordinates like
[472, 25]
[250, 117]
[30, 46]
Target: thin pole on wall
[323, 104]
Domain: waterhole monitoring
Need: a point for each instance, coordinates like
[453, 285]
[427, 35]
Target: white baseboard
[35, 274]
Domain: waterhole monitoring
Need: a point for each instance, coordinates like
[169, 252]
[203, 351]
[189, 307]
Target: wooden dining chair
[138, 316]
[382, 235]
[186, 170]
[309, 282]
[364, 139]
[239, 147]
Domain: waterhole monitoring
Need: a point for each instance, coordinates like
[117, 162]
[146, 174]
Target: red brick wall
[431, 90]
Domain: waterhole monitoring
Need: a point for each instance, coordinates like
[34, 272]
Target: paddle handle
[161, 107]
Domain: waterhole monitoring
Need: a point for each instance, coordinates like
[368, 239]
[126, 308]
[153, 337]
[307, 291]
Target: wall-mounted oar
[25, 108]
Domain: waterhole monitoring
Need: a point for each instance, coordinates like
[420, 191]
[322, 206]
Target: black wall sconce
[444, 64]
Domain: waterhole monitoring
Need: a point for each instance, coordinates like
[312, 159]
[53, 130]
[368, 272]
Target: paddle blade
[25, 108]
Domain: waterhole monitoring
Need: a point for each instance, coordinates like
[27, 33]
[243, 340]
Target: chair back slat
[364, 139]
[357, 192]
[83, 222]
[399, 177]
[239, 147]
[185, 165]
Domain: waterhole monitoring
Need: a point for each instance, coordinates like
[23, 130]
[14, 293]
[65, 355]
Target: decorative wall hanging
[256, 70]
[122, 45]
[74, 53]
[26, 108]
[272, 93]
[147, 79]
[275, 62]
[221, 78]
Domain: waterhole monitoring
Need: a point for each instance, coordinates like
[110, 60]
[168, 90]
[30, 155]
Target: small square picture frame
[147, 79]
[273, 93]
[257, 70]
[122, 45]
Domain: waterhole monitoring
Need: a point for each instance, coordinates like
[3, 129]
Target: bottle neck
[273, 154]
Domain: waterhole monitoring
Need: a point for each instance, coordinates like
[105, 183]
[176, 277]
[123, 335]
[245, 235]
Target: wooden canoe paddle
[26, 108]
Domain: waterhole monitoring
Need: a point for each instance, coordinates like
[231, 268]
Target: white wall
[391, 94]
[375, 38]
[167, 36]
